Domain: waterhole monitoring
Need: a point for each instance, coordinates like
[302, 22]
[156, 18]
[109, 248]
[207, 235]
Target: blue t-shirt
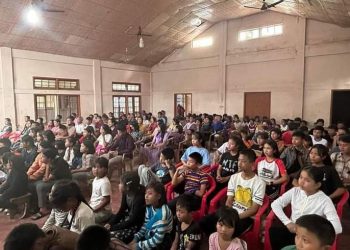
[202, 151]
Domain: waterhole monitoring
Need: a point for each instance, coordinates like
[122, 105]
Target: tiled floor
[6, 224]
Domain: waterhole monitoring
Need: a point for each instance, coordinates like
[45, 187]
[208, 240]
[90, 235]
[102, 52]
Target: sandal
[37, 216]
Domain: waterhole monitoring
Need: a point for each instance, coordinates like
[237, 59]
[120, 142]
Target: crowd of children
[254, 159]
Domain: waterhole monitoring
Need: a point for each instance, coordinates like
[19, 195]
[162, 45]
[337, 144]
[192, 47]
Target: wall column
[97, 86]
[300, 63]
[7, 86]
[222, 68]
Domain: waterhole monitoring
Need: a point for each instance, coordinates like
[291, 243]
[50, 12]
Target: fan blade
[53, 10]
[274, 4]
[251, 7]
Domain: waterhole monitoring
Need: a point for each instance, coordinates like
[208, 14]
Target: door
[257, 104]
[183, 104]
[340, 107]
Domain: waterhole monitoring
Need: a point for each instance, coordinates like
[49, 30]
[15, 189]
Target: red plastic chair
[272, 216]
[252, 236]
[197, 215]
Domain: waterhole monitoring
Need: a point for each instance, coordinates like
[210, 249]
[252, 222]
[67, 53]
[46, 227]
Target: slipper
[37, 216]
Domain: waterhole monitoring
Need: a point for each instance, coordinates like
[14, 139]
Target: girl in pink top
[271, 169]
[225, 237]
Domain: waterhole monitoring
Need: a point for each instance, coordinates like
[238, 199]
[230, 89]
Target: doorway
[182, 104]
[340, 107]
[257, 104]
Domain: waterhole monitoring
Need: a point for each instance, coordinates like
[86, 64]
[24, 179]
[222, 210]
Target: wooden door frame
[183, 107]
[255, 92]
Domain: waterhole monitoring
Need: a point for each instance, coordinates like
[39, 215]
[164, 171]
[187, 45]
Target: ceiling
[98, 28]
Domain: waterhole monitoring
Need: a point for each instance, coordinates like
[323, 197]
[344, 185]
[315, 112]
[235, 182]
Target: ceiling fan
[40, 5]
[139, 35]
[265, 5]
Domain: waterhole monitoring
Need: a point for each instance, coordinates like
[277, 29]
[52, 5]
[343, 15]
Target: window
[265, 31]
[55, 83]
[126, 87]
[202, 42]
[49, 106]
[126, 104]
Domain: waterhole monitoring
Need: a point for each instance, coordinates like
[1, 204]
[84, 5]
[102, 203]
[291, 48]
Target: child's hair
[263, 135]
[49, 135]
[71, 139]
[90, 146]
[319, 226]
[131, 181]
[63, 190]
[250, 154]
[320, 128]
[229, 217]
[94, 237]
[89, 129]
[299, 134]
[158, 187]
[23, 237]
[238, 141]
[102, 162]
[6, 142]
[106, 128]
[59, 145]
[314, 173]
[28, 139]
[197, 157]
[45, 144]
[184, 201]
[274, 147]
[16, 161]
[168, 153]
[50, 153]
[345, 138]
[308, 139]
[323, 153]
[277, 131]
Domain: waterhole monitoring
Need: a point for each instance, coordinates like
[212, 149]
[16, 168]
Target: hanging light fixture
[141, 42]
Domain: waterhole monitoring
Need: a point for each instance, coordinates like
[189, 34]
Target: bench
[21, 201]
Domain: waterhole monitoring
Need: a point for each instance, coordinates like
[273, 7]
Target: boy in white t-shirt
[101, 191]
[317, 136]
[246, 191]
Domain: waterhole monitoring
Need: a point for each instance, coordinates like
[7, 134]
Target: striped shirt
[158, 222]
[194, 180]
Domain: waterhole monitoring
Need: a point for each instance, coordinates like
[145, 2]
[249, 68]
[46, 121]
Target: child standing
[129, 219]
[195, 180]
[101, 191]
[313, 232]
[225, 236]
[188, 233]
[155, 232]
[271, 169]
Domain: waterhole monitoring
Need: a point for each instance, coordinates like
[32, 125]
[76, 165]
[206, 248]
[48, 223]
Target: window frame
[57, 80]
[126, 86]
[44, 95]
[127, 104]
[260, 32]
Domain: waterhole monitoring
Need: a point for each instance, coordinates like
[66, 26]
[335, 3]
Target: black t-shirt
[192, 233]
[229, 164]
[331, 180]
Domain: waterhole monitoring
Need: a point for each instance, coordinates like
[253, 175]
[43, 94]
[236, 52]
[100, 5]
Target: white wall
[28, 64]
[299, 68]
